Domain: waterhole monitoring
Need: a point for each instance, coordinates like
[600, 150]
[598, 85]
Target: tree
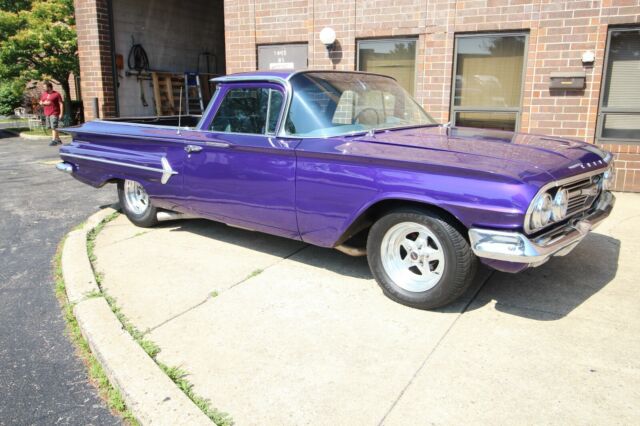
[38, 41]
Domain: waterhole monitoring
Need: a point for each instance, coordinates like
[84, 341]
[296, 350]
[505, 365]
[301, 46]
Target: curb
[148, 392]
[24, 135]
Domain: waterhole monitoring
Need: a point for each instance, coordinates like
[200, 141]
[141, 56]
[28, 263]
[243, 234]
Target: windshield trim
[289, 88]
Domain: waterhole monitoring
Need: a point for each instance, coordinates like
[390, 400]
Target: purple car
[351, 161]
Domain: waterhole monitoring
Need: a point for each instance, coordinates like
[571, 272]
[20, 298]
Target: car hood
[508, 153]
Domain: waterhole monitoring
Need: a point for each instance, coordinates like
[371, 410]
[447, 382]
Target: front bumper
[515, 247]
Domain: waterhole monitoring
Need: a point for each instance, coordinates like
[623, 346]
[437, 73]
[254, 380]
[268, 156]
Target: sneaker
[53, 143]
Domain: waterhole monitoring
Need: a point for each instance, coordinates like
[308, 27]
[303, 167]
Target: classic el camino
[349, 160]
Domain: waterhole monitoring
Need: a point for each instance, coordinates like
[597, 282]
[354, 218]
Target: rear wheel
[419, 259]
[135, 204]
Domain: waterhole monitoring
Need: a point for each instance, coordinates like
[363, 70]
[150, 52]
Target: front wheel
[136, 205]
[419, 259]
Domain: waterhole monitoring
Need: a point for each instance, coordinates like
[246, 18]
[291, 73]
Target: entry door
[239, 172]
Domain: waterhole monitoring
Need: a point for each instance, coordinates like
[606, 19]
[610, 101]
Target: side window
[248, 110]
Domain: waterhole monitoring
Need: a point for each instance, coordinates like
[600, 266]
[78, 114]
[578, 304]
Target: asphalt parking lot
[42, 381]
[273, 331]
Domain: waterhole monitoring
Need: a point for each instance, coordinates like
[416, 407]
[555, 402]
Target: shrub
[11, 95]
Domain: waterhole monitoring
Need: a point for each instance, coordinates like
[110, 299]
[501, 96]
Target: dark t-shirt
[54, 107]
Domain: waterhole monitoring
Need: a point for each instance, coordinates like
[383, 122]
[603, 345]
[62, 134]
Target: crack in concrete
[210, 297]
[430, 354]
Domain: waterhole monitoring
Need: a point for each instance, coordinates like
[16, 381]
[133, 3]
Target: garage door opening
[163, 48]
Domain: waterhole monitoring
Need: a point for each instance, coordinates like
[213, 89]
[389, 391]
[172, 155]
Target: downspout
[114, 70]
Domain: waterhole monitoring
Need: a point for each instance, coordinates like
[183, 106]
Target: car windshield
[335, 103]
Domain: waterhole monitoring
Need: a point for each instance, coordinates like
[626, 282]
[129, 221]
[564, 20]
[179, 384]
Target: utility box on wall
[277, 57]
[568, 80]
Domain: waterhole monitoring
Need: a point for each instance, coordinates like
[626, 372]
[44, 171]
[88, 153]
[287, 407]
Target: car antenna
[179, 111]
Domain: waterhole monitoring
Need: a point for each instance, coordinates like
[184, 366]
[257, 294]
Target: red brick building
[561, 68]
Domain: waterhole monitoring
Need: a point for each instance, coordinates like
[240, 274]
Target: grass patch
[96, 374]
[215, 293]
[255, 273]
[176, 374]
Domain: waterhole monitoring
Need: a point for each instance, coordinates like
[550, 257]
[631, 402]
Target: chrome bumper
[516, 247]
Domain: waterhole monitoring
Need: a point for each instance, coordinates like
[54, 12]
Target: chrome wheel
[412, 256]
[136, 197]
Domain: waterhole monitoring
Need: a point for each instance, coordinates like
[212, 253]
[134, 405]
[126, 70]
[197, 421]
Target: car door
[238, 171]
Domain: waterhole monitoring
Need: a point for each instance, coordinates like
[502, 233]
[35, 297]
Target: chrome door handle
[192, 148]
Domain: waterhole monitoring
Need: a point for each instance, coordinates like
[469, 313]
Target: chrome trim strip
[554, 184]
[220, 144]
[238, 78]
[166, 170]
[280, 132]
[517, 248]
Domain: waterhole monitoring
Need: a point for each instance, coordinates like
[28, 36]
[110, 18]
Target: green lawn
[12, 120]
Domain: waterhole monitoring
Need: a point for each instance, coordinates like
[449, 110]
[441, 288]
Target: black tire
[144, 219]
[458, 271]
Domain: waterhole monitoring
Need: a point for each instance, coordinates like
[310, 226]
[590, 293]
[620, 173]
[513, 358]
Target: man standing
[53, 111]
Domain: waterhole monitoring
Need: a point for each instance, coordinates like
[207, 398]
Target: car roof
[280, 76]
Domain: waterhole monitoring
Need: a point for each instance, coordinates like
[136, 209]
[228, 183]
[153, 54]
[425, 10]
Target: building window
[283, 56]
[620, 99]
[487, 90]
[392, 57]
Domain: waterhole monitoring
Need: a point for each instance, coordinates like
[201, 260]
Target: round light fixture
[541, 214]
[328, 37]
[560, 205]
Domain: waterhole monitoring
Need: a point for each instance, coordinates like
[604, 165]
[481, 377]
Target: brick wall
[94, 52]
[559, 32]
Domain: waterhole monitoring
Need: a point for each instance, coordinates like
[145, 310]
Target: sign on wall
[277, 57]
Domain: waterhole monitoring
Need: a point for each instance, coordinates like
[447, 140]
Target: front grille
[582, 193]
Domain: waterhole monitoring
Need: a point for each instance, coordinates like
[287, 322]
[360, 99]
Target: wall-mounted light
[588, 57]
[328, 38]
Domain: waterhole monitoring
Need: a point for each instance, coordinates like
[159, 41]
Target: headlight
[560, 205]
[541, 213]
[609, 177]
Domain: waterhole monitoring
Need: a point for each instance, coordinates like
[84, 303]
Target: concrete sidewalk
[277, 332]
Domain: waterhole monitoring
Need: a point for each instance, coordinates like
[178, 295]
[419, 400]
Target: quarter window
[620, 100]
[392, 57]
[487, 89]
[248, 110]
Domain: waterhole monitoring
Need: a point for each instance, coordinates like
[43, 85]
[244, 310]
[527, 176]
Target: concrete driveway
[277, 332]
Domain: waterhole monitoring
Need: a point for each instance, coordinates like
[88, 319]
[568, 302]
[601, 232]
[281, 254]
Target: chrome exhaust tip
[63, 166]
[165, 215]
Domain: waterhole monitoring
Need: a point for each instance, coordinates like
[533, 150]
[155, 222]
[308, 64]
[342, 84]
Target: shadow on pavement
[546, 293]
[552, 291]
[319, 257]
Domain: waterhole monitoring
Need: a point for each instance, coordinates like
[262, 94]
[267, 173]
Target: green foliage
[15, 5]
[11, 94]
[38, 41]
